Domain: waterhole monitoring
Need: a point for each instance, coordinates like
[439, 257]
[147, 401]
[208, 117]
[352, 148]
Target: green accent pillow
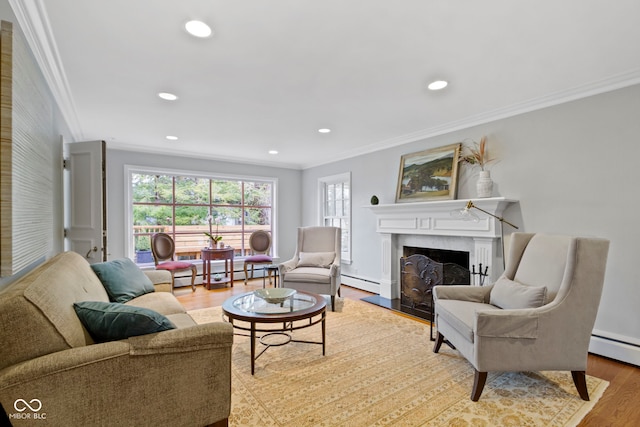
[122, 279]
[111, 321]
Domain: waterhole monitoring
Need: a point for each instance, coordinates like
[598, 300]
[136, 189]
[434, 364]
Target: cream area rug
[379, 369]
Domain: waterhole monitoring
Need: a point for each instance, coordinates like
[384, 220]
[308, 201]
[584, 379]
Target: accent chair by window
[163, 249]
[260, 244]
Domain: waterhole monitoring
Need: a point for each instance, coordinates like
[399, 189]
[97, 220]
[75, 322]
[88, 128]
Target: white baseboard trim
[363, 284]
[624, 349]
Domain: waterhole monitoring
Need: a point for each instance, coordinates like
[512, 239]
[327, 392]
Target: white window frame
[322, 184]
[130, 169]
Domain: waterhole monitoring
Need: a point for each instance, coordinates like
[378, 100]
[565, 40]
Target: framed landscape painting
[429, 175]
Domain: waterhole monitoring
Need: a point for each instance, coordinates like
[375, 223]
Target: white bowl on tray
[274, 295]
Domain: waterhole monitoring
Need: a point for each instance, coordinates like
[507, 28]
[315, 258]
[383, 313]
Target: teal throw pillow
[108, 321]
[122, 279]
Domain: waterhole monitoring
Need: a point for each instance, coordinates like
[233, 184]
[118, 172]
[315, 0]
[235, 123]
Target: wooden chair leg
[173, 280]
[333, 303]
[438, 343]
[246, 274]
[478, 384]
[580, 381]
[194, 273]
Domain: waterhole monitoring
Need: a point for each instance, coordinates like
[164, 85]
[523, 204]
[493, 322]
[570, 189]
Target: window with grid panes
[335, 208]
[185, 207]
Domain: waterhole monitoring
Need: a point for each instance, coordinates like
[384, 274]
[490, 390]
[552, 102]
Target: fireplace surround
[430, 225]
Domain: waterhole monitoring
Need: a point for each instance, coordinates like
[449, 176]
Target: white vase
[220, 245]
[484, 186]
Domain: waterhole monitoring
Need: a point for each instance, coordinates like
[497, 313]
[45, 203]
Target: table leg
[324, 316]
[206, 277]
[253, 347]
[231, 262]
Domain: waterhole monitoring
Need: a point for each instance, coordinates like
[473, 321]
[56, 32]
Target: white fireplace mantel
[399, 221]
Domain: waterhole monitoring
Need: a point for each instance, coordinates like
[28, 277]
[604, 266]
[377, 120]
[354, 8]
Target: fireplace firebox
[423, 268]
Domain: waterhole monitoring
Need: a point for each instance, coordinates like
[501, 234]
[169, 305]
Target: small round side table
[268, 269]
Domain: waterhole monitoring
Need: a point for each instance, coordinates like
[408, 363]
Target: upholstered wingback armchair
[315, 266]
[537, 316]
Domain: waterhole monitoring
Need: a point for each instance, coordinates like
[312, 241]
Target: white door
[85, 184]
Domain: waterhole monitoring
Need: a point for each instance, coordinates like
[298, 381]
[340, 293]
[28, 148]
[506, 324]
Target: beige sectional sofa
[51, 370]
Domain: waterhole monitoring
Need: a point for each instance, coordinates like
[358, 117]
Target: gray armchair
[537, 316]
[315, 266]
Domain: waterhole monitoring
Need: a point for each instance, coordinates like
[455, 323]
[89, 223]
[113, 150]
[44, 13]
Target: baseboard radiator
[619, 347]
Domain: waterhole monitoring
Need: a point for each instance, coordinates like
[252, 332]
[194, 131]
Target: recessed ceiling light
[168, 96]
[172, 138]
[438, 84]
[198, 29]
[324, 130]
[273, 151]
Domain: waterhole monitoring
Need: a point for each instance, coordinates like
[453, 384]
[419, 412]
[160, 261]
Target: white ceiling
[276, 71]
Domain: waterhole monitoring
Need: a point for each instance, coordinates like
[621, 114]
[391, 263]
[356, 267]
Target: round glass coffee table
[250, 308]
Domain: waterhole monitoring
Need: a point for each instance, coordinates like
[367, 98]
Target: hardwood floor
[617, 407]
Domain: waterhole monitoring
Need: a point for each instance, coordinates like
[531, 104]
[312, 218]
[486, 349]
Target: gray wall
[288, 212]
[573, 168]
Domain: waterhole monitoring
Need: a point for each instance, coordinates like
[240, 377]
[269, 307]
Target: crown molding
[33, 20]
[612, 83]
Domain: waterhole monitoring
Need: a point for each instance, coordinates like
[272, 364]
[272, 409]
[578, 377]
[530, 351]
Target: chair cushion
[114, 321]
[122, 279]
[316, 259]
[508, 294]
[461, 315]
[308, 275]
[258, 258]
[174, 265]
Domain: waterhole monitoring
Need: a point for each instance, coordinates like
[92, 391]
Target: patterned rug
[379, 369]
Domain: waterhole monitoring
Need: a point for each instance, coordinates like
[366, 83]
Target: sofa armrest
[201, 337]
[462, 292]
[131, 382]
[161, 279]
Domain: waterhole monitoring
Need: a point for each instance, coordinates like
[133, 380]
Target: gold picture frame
[429, 175]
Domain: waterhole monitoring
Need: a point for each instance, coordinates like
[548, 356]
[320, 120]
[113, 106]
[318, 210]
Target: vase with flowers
[215, 240]
[478, 155]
